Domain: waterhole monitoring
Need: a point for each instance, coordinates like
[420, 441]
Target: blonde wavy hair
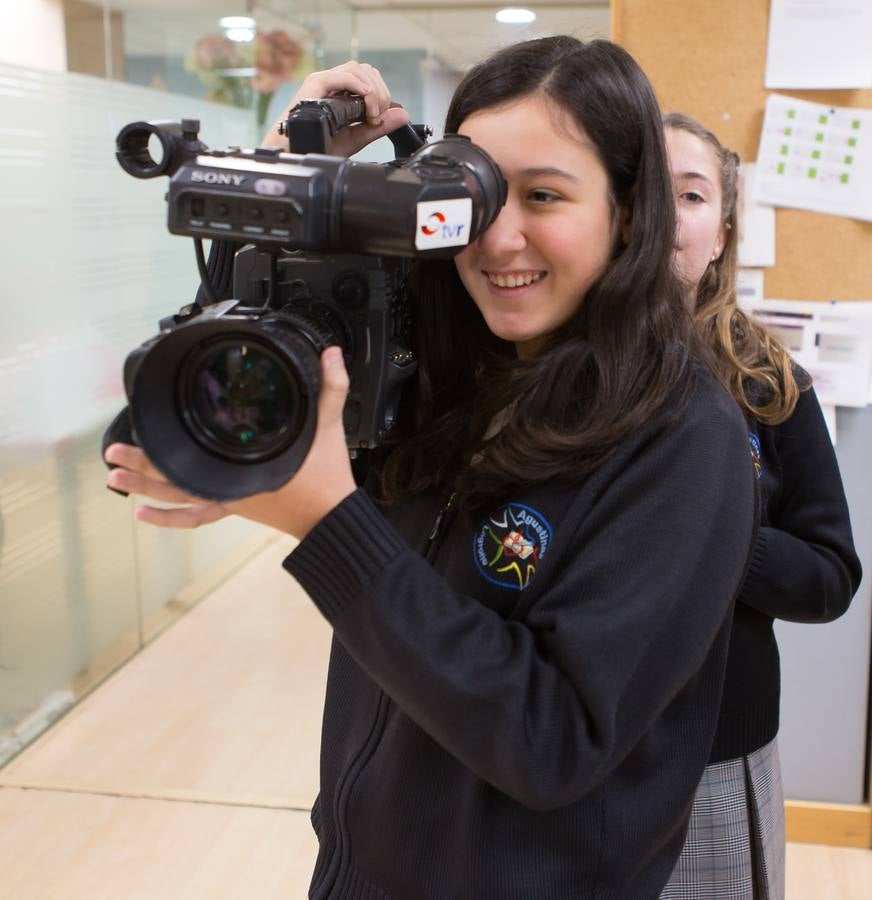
[752, 363]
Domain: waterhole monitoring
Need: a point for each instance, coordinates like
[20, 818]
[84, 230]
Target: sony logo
[217, 177]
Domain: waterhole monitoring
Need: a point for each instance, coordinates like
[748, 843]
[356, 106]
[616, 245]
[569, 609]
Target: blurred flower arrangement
[244, 72]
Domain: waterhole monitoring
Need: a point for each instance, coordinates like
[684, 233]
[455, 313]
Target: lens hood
[226, 407]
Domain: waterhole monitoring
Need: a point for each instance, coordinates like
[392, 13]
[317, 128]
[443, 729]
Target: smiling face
[696, 179]
[529, 272]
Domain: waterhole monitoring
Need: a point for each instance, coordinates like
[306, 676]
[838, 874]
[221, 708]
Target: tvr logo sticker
[443, 223]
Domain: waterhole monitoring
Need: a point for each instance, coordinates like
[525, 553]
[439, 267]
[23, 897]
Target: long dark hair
[617, 363]
[751, 362]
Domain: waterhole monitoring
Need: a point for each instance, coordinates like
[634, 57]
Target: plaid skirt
[735, 841]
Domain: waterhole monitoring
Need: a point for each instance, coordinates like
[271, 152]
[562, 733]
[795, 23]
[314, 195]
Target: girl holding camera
[531, 595]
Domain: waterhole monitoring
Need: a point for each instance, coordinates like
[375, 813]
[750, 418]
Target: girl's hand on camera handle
[323, 481]
[356, 78]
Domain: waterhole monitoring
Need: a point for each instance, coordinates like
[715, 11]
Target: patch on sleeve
[509, 546]
[756, 455]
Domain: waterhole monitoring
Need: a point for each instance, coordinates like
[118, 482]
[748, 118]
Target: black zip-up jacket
[521, 707]
[803, 569]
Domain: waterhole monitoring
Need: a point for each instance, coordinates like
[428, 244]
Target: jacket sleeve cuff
[756, 568]
[344, 553]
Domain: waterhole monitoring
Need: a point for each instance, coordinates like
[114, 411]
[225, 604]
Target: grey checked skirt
[735, 842]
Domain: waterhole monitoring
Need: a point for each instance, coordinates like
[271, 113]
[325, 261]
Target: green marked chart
[816, 157]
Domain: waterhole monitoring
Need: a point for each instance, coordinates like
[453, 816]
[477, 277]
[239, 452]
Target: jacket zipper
[338, 872]
[436, 528]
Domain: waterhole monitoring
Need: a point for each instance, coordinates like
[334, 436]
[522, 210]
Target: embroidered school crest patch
[509, 546]
[756, 456]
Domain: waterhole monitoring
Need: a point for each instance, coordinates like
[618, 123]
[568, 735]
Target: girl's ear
[721, 242]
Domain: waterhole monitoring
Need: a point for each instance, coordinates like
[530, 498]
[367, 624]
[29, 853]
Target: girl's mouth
[513, 279]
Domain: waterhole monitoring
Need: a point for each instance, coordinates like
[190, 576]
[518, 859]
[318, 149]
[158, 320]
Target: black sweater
[803, 569]
[521, 707]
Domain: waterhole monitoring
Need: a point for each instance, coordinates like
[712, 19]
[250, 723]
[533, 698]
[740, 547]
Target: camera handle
[311, 125]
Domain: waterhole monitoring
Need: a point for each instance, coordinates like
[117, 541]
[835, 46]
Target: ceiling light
[240, 35]
[515, 16]
[229, 22]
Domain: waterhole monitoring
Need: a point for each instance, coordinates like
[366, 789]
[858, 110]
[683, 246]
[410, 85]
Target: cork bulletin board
[707, 58]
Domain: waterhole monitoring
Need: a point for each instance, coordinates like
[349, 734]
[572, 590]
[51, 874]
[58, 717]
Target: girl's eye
[693, 197]
[542, 196]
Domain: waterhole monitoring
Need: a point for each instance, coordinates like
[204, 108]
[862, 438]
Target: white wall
[439, 84]
[33, 34]
[825, 668]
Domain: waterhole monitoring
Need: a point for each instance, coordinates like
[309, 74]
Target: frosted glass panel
[88, 270]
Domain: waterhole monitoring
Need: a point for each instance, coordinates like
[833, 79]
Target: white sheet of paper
[819, 44]
[756, 223]
[829, 411]
[749, 286]
[854, 321]
[815, 157]
[831, 341]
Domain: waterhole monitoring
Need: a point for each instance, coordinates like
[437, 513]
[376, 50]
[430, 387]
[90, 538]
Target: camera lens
[240, 400]
[226, 405]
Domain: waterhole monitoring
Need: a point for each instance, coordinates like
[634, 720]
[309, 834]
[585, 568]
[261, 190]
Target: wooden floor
[190, 772]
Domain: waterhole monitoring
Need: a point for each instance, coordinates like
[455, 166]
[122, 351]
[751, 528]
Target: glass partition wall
[89, 269]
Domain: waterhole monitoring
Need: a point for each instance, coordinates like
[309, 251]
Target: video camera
[224, 399]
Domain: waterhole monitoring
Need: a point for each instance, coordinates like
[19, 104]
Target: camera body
[316, 202]
[224, 398]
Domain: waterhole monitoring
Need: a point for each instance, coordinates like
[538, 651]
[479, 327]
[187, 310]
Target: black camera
[224, 399]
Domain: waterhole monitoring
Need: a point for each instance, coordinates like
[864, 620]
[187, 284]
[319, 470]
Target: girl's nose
[506, 235]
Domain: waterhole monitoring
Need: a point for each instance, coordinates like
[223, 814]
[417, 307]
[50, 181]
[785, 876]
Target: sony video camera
[224, 399]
